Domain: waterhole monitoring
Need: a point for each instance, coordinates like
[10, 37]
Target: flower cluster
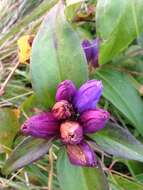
[72, 117]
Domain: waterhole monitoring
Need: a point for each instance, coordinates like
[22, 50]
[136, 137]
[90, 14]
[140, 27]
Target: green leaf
[72, 2]
[29, 104]
[134, 167]
[127, 184]
[37, 174]
[72, 8]
[81, 178]
[8, 128]
[56, 55]
[140, 177]
[28, 151]
[119, 142]
[118, 24]
[29, 107]
[122, 94]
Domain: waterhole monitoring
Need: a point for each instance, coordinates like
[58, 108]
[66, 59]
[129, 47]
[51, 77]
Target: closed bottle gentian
[42, 125]
[71, 132]
[91, 50]
[94, 120]
[65, 91]
[88, 95]
[62, 110]
[73, 116]
[82, 155]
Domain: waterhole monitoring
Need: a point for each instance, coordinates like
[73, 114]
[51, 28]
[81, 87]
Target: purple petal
[81, 155]
[43, 125]
[91, 49]
[65, 91]
[95, 53]
[87, 49]
[71, 132]
[88, 95]
[94, 120]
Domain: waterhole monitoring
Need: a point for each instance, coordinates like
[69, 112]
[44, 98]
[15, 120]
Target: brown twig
[112, 164]
[51, 169]
[3, 86]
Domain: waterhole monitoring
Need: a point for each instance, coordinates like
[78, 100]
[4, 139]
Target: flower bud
[65, 91]
[94, 120]
[43, 125]
[87, 47]
[71, 132]
[81, 155]
[88, 95]
[91, 51]
[62, 110]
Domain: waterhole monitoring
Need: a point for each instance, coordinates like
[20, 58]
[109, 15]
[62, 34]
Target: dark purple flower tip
[65, 91]
[62, 110]
[43, 125]
[87, 49]
[81, 155]
[88, 95]
[94, 120]
[91, 49]
[71, 132]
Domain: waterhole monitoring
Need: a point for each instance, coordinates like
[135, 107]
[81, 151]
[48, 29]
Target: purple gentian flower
[71, 132]
[88, 95]
[82, 155]
[72, 117]
[66, 91]
[43, 125]
[91, 49]
[93, 120]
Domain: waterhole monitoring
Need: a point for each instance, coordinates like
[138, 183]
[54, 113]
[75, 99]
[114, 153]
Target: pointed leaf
[81, 178]
[9, 126]
[119, 22]
[134, 167]
[122, 94]
[119, 142]
[127, 184]
[56, 55]
[25, 153]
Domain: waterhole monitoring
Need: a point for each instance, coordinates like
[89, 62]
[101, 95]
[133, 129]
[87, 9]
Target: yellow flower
[24, 48]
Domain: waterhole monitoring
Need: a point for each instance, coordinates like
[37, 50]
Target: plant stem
[51, 170]
[3, 86]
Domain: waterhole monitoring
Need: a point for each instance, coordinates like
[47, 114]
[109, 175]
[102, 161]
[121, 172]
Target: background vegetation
[119, 24]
